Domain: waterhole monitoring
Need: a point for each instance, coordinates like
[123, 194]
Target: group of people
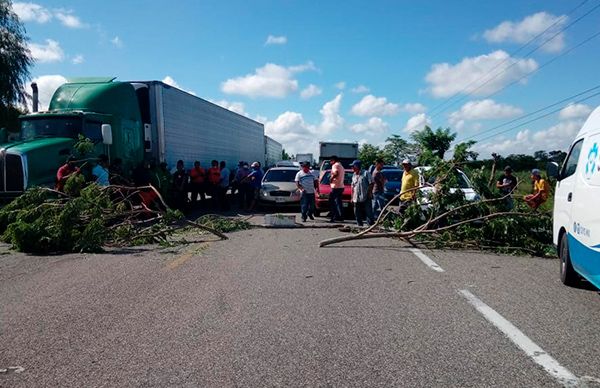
[367, 190]
[508, 182]
[181, 188]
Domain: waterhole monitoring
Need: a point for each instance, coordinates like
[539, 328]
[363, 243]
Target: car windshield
[463, 182]
[280, 175]
[50, 127]
[347, 178]
[392, 175]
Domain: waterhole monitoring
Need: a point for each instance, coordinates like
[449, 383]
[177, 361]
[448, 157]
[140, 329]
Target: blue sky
[332, 70]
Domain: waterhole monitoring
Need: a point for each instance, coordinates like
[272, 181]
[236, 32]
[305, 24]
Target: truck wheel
[567, 273]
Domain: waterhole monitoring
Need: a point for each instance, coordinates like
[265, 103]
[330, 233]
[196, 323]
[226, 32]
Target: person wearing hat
[308, 185]
[506, 184]
[362, 194]
[65, 172]
[100, 172]
[541, 190]
[410, 181]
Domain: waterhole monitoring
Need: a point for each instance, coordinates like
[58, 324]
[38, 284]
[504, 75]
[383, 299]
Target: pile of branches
[445, 219]
[89, 218]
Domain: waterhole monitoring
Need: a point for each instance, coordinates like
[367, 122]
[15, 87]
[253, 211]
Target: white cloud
[414, 108]
[237, 107]
[375, 106]
[524, 30]
[69, 20]
[417, 123]
[482, 110]
[372, 126]
[117, 42]
[50, 52]
[78, 59]
[271, 80]
[171, 82]
[331, 116]
[340, 85]
[360, 89]
[575, 111]
[271, 40]
[292, 131]
[31, 12]
[310, 91]
[47, 85]
[526, 141]
[445, 79]
[298, 136]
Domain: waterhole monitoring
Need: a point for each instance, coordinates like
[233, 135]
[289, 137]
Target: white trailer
[186, 127]
[273, 151]
[305, 158]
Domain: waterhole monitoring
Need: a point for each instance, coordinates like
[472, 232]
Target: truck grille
[12, 166]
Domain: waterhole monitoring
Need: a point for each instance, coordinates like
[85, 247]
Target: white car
[278, 187]
[464, 183]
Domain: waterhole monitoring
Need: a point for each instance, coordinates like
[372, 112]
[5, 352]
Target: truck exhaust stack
[34, 96]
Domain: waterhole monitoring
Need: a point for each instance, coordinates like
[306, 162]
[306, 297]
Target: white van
[576, 213]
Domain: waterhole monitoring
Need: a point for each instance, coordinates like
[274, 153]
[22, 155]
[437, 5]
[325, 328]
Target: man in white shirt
[308, 184]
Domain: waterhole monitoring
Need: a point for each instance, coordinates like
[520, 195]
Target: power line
[528, 54]
[511, 55]
[538, 118]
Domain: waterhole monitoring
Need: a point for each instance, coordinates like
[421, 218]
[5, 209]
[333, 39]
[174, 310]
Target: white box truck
[346, 153]
[576, 215]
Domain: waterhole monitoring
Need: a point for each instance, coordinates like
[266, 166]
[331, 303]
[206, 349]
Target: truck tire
[568, 275]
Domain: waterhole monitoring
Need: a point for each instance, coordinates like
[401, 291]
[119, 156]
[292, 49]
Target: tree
[396, 148]
[284, 155]
[463, 152]
[368, 153]
[15, 60]
[433, 144]
[541, 156]
[15, 57]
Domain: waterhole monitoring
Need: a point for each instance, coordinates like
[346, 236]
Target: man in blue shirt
[255, 181]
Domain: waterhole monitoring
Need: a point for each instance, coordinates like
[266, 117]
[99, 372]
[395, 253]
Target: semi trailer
[133, 121]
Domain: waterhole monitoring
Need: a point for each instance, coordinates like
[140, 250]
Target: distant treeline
[521, 162]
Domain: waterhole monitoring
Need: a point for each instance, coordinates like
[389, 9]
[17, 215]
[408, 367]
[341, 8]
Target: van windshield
[50, 127]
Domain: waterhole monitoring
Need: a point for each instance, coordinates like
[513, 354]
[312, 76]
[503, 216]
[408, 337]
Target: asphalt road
[270, 308]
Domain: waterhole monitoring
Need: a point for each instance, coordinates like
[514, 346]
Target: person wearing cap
[100, 171]
[336, 183]
[65, 172]
[541, 190]
[362, 193]
[254, 179]
[410, 181]
[378, 188]
[308, 185]
[506, 184]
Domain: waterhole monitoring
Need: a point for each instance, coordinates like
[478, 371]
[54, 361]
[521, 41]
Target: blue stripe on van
[586, 260]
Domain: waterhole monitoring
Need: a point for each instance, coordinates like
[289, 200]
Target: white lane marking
[537, 354]
[425, 259]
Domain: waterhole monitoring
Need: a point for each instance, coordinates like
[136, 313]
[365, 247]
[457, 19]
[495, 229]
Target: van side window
[570, 165]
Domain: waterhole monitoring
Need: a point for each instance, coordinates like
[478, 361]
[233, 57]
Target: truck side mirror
[553, 170]
[106, 134]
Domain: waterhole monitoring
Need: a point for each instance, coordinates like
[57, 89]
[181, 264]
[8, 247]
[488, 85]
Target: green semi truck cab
[133, 121]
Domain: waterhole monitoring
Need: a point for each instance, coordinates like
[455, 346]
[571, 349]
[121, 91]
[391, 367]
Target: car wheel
[567, 273]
